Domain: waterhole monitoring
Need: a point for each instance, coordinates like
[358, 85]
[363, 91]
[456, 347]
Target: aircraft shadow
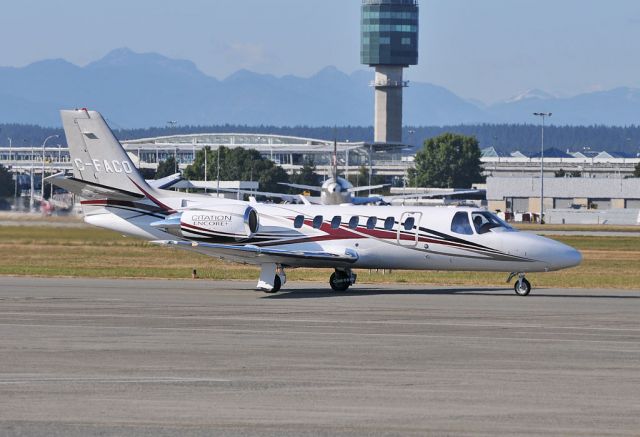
[315, 293]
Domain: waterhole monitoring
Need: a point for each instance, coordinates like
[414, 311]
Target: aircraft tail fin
[97, 156]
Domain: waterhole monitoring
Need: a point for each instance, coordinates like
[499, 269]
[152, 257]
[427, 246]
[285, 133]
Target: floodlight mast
[44, 143]
[543, 115]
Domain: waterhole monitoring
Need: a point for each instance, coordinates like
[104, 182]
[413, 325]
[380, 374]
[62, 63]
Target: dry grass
[609, 262]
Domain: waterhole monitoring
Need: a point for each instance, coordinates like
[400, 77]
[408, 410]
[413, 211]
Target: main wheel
[339, 282]
[522, 288]
[277, 283]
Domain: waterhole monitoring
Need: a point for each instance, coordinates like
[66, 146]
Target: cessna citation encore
[277, 237]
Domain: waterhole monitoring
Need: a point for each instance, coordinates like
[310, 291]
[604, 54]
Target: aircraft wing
[366, 200]
[287, 197]
[261, 255]
[165, 182]
[367, 187]
[91, 190]
[428, 195]
[301, 186]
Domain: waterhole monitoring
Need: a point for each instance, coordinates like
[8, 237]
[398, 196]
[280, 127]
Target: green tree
[166, 168]
[237, 165]
[307, 174]
[636, 172]
[195, 171]
[7, 186]
[147, 173]
[561, 173]
[447, 161]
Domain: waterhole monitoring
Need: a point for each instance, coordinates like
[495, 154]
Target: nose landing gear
[341, 280]
[522, 287]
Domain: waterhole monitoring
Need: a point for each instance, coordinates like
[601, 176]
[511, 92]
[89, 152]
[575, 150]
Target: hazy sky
[482, 49]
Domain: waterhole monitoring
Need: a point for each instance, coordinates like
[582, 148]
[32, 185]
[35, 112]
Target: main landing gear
[272, 278]
[341, 280]
[522, 287]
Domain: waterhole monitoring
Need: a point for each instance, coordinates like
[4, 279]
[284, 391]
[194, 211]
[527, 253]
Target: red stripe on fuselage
[153, 199]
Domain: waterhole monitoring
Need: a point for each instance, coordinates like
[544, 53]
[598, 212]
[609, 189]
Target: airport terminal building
[146, 153]
[513, 182]
[288, 152]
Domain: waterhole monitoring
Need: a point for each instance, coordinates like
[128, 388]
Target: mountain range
[148, 89]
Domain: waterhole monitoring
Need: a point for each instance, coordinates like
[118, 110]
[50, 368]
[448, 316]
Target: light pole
[218, 174]
[370, 168]
[43, 144]
[411, 132]
[205, 149]
[543, 115]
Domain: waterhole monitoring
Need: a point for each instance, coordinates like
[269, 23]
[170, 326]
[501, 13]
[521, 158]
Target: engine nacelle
[224, 224]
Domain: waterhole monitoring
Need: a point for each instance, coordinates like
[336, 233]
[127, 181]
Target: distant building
[523, 194]
[291, 152]
[567, 198]
[596, 164]
[146, 153]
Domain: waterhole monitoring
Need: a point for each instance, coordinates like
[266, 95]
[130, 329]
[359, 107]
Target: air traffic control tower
[389, 42]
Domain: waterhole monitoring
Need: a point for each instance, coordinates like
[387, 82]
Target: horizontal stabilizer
[259, 255]
[367, 187]
[91, 190]
[301, 186]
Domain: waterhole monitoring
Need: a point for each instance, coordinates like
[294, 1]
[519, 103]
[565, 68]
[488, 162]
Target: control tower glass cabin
[389, 43]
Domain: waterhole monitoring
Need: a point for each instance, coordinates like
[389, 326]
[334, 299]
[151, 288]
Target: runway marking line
[4, 381]
[324, 333]
[330, 321]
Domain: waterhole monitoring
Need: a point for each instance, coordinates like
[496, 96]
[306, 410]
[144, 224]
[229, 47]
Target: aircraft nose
[563, 256]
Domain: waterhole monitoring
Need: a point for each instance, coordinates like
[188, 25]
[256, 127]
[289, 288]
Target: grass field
[609, 262]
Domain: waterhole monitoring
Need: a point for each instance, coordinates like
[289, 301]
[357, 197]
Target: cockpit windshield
[484, 222]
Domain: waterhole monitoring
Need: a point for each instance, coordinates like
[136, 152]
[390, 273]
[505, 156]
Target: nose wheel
[522, 287]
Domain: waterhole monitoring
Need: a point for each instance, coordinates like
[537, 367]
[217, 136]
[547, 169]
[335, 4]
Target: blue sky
[482, 49]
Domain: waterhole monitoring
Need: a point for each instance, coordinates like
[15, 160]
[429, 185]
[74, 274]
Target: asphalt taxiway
[118, 357]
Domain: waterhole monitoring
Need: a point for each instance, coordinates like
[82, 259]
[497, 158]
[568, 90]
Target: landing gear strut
[272, 278]
[341, 280]
[522, 287]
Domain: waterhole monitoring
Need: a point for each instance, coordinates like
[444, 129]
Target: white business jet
[337, 190]
[277, 237]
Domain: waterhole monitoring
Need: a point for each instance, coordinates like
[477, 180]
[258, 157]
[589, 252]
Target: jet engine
[224, 224]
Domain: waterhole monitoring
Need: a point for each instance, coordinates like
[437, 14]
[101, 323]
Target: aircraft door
[407, 234]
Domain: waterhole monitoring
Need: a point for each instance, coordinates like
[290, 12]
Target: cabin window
[353, 222]
[389, 222]
[460, 224]
[335, 222]
[371, 222]
[298, 221]
[317, 221]
[408, 223]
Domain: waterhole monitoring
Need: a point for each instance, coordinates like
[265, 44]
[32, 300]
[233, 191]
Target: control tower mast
[389, 42]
